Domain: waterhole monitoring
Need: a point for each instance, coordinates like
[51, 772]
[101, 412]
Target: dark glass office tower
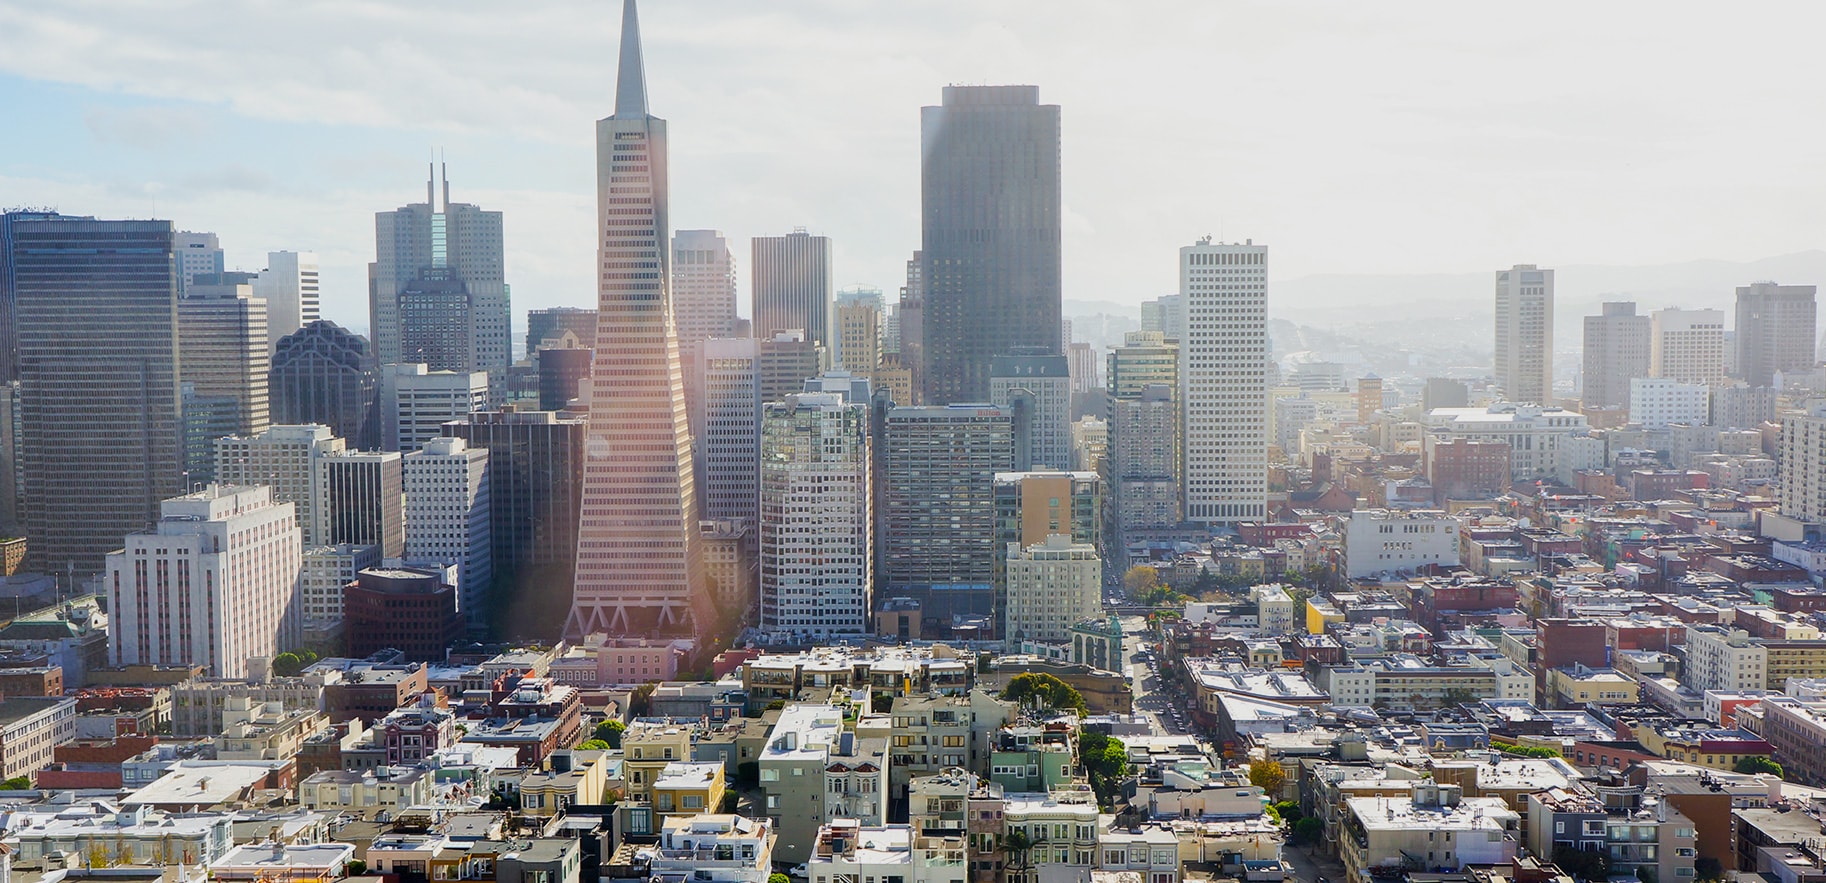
[96, 306]
[322, 373]
[990, 207]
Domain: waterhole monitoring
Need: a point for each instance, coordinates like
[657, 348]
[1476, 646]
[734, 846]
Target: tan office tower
[639, 571]
[1524, 334]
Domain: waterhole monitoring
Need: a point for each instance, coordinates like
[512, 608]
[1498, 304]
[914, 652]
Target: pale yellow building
[687, 789]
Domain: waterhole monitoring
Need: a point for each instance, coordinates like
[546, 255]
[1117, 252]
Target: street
[1150, 696]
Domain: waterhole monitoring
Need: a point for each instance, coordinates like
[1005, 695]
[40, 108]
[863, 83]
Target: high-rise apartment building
[1052, 585]
[989, 198]
[910, 328]
[1146, 358]
[550, 323]
[1655, 402]
[816, 533]
[1616, 352]
[322, 373]
[99, 409]
[1687, 345]
[361, 499]
[1032, 506]
[859, 326]
[292, 290]
[1143, 462]
[1223, 370]
[215, 582]
[535, 483]
[1741, 406]
[439, 273]
[639, 568]
[1776, 329]
[1803, 464]
[196, 254]
[728, 446]
[448, 518]
[935, 506]
[416, 402]
[793, 286]
[1035, 391]
[1524, 334]
[1087, 374]
[285, 458]
[326, 570]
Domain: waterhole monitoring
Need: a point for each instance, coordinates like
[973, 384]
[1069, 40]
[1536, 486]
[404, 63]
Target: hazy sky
[1352, 137]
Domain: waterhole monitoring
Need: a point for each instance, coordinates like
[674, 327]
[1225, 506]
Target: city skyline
[179, 145]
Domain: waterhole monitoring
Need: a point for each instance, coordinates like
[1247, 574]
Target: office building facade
[322, 373]
[286, 459]
[1036, 393]
[214, 583]
[990, 234]
[535, 483]
[1223, 370]
[728, 438]
[935, 506]
[1687, 345]
[1616, 352]
[291, 286]
[793, 286]
[416, 402]
[1776, 330]
[361, 499]
[449, 518]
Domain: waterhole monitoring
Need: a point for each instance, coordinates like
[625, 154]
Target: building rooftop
[185, 784]
[1470, 814]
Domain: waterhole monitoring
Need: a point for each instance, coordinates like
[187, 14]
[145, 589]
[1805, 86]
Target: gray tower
[990, 232]
[435, 259]
[98, 383]
[324, 374]
[793, 288]
[1775, 330]
[1616, 352]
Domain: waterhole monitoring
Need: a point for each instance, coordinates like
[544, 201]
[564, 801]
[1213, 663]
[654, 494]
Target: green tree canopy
[778, 878]
[610, 731]
[1268, 776]
[593, 745]
[1045, 688]
[1140, 578]
[1753, 765]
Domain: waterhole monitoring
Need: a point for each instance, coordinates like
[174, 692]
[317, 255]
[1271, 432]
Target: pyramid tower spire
[631, 76]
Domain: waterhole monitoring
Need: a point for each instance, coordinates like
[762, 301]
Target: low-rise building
[711, 848]
[1436, 827]
[845, 850]
[568, 777]
[814, 771]
[292, 862]
[689, 788]
[387, 789]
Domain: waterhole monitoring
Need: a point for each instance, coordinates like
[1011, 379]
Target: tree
[1268, 776]
[1307, 829]
[882, 703]
[1709, 868]
[610, 731]
[16, 783]
[1046, 689]
[1140, 578]
[778, 878]
[1755, 764]
[748, 775]
[593, 745]
[288, 664]
[1016, 844]
[1287, 810]
[356, 867]
[640, 704]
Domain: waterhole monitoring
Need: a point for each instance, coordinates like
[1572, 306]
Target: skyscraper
[639, 568]
[286, 459]
[989, 193]
[290, 286]
[1223, 369]
[535, 477]
[416, 402]
[1687, 345]
[1524, 334]
[361, 499]
[728, 450]
[541, 324]
[935, 507]
[703, 286]
[785, 361]
[793, 286]
[213, 584]
[223, 366]
[196, 254]
[325, 374]
[910, 328]
[98, 383]
[858, 320]
[434, 259]
[448, 519]
[816, 534]
[1616, 352]
[1776, 325]
[1035, 391]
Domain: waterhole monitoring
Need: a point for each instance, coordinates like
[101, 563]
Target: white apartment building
[1524, 334]
[1223, 372]
[1275, 610]
[447, 517]
[213, 584]
[713, 848]
[325, 571]
[416, 402]
[1803, 464]
[1052, 586]
[1540, 439]
[1655, 402]
[1724, 659]
[817, 535]
[284, 458]
[848, 852]
[1687, 345]
[1063, 829]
